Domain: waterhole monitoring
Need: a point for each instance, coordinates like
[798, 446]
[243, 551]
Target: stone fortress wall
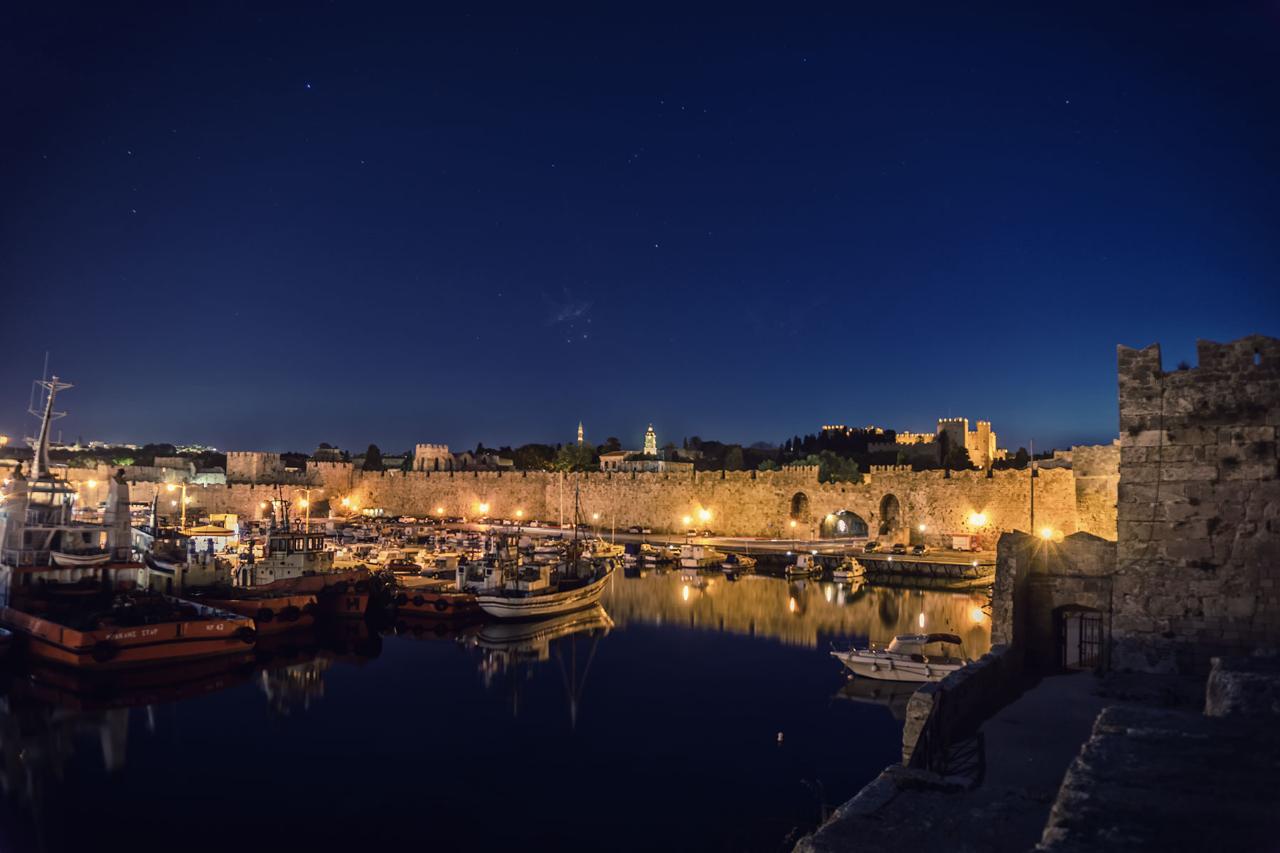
[894, 502]
[1198, 556]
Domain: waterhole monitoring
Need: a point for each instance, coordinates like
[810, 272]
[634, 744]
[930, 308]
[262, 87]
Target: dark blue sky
[267, 229]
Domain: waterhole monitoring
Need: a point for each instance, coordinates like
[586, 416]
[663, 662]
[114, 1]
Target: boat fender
[402, 599]
[290, 614]
[310, 608]
[418, 601]
[104, 650]
[246, 635]
[264, 615]
[441, 605]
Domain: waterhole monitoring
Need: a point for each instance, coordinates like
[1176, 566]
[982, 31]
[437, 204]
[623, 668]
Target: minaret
[650, 442]
[579, 433]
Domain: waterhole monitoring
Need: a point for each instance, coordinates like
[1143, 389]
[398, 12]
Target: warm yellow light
[484, 509]
[93, 484]
[262, 505]
[170, 487]
[977, 519]
[304, 503]
[688, 519]
[1046, 533]
[346, 501]
[684, 593]
[976, 615]
[704, 514]
[920, 621]
[921, 528]
[519, 513]
[595, 516]
[792, 604]
[186, 499]
[439, 510]
[173, 503]
[793, 524]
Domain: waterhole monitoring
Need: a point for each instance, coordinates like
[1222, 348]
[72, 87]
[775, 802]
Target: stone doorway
[799, 506]
[890, 515]
[1080, 637]
[842, 525]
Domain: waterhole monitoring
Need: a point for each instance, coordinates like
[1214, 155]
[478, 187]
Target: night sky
[331, 222]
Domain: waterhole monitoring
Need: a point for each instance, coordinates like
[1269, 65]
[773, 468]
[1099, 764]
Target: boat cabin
[915, 644]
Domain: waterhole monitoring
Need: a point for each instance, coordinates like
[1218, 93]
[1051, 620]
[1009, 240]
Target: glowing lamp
[978, 519]
[1046, 533]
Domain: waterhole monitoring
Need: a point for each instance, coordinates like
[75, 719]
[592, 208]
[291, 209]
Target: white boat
[848, 570]
[537, 590]
[73, 560]
[904, 659]
[699, 557]
[806, 565]
[540, 591]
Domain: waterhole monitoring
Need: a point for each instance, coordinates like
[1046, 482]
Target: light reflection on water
[676, 690]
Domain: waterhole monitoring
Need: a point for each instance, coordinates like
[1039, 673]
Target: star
[307, 85]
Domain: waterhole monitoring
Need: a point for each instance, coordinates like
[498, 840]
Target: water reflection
[687, 664]
[801, 613]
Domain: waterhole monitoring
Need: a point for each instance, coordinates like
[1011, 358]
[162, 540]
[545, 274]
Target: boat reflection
[799, 612]
[510, 647]
[893, 695]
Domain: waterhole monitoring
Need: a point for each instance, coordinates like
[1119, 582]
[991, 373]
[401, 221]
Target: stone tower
[650, 442]
[580, 436]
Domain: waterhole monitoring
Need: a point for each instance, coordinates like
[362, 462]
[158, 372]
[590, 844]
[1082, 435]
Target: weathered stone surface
[1244, 687]
[1166, 780]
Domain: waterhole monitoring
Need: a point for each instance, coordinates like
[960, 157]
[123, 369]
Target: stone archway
[799, 506]
[843, 524]
[890, 515]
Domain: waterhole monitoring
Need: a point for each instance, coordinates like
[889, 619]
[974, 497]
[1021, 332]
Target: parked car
[920, 550]
[871, 547]
[635, 528]
[646, 530]
[898, 548]
[705, 533]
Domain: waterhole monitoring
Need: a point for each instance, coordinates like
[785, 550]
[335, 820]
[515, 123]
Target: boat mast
[40, 459]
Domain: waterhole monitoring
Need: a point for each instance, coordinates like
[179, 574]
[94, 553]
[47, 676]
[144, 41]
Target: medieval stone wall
[1199, 506]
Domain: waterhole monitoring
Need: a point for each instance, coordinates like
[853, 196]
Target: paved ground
[1029, 746]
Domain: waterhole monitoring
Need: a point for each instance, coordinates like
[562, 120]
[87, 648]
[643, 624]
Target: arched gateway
[843, 524]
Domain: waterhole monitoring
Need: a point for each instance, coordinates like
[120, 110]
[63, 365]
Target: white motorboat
[738, 564]
[806, 565]
[848, 570]
[905, 659]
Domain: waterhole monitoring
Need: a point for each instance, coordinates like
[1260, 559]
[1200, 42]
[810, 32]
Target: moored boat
[848, 570]
[806, 565]
[905, 659]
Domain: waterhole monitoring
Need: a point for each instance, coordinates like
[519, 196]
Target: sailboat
[534, 591]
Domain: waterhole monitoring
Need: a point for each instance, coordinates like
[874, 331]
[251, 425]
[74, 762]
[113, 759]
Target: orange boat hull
[436, 605]
[117, 647]
[274, 614]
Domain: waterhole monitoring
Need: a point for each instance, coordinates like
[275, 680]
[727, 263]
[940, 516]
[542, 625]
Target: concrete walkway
[1029, 746]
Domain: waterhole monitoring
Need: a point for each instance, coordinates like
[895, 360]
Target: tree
[534, 457]
[957, 458]
[733, 459]
[611, 445]
[574, 457]
[768, 465]
[373, 458]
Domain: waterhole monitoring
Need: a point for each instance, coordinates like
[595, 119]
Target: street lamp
[1046, 533]
[305, 503]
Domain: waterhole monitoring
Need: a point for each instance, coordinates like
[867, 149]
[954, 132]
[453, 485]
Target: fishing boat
[849, 570]
[806, 565]
[92, 614]
[905, 659]
[509, 590]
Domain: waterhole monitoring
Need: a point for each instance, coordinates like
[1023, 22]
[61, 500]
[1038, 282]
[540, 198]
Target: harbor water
[687, 712]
